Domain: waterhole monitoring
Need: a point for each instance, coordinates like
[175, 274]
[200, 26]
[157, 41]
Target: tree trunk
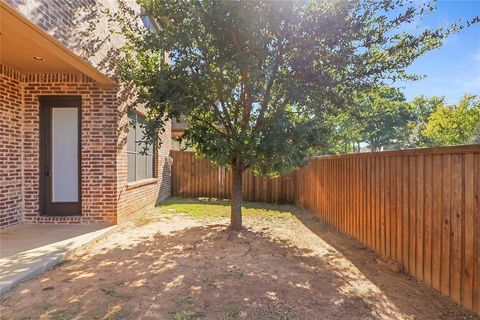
[236, 206]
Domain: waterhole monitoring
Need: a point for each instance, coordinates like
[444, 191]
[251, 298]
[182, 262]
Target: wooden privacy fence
[418, 207]
[199, 178]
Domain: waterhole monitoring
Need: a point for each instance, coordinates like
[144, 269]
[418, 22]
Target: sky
[454, 69]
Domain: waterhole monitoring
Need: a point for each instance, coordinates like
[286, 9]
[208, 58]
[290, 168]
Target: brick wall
[19, 149]
[135, 196]
[82, 26]
[106, 194]
[10, 147]
[98, 119]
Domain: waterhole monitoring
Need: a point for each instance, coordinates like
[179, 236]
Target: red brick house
[67, 151]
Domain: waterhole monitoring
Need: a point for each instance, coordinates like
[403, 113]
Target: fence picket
[419, 207]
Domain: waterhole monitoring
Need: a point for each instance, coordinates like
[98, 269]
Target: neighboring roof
[179, 125]
[21, 39]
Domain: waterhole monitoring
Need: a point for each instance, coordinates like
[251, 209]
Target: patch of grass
[187, 315]
[210, 208]
[231, 312]
[238, 274]
[184, 309]
[147, 217]
[184, 301]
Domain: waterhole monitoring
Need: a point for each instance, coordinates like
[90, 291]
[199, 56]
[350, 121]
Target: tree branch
[226, 121]
[246, 95]
[268, 89]
[208, 124]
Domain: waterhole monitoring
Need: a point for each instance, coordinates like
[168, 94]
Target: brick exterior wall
[83, 27]
[135, 196]
[98, 144]
[106, 194]
[11, 201]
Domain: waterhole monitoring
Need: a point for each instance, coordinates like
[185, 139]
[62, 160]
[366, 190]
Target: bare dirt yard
[180, 262]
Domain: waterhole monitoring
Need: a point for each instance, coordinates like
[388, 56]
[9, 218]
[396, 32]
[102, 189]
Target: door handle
[47, 171]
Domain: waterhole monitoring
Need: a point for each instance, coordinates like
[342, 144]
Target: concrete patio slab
[27, 250]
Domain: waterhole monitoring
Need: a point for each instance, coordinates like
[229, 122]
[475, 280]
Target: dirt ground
[179, 267]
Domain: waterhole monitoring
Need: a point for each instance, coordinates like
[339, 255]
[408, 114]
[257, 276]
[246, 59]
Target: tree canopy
[256, 80]
[454, 124]
[382, 118]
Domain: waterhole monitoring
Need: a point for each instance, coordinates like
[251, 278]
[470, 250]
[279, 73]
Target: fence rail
[418, 207]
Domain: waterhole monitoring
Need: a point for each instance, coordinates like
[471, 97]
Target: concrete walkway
[27, 250]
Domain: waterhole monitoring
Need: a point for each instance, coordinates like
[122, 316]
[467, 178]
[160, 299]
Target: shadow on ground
[177, 269]
[412, 297]
[192, 273]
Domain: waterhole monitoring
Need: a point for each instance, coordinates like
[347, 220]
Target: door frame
[47, 207]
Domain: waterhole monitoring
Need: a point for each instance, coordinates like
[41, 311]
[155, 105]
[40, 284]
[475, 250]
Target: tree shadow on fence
[410, 296]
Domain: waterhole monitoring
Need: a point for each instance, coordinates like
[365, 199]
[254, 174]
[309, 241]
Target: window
[140, 160]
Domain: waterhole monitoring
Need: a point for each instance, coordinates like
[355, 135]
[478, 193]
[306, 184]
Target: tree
[454, 124]
[256, 79]
[378, 118]
[384, 116]
[345, 133]
[420, 109]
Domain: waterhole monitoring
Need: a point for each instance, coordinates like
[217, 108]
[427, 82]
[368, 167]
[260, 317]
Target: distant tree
[344, 133]
[255, 80]
[376, 118]
[384, 116]
[475, 139]
[454, 124]
[420, 109]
